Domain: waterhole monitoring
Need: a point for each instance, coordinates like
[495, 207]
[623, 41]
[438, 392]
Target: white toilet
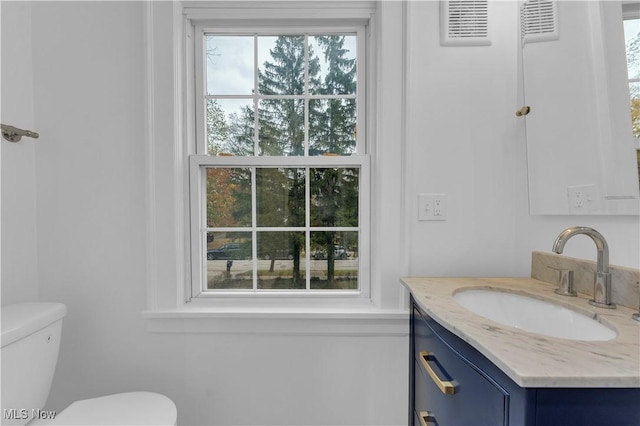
[30, 344]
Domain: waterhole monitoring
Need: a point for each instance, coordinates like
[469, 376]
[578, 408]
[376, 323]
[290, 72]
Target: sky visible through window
[230, 63]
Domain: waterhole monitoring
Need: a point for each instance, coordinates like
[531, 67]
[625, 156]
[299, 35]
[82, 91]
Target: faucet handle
[565, 283]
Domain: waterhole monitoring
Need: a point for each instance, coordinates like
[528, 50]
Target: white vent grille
[464, 22]
[538, 21]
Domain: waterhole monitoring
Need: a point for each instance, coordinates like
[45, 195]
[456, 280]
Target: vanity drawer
[451, 388]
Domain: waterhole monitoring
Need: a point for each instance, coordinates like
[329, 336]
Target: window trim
[167, 36]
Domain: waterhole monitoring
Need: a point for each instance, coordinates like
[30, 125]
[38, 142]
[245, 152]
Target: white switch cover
[432, 207]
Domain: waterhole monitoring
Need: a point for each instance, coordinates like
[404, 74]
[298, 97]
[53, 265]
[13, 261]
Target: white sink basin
[534, 315]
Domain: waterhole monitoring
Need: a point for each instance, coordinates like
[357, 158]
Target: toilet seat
[129, 408]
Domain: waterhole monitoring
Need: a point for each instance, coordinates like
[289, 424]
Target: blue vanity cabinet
[451, 383]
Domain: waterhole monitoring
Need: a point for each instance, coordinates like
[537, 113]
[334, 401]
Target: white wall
[462, 141]
[19, 276]
[87, 172]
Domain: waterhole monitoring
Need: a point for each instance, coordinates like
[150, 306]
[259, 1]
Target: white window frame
[198, 164]
[199, 161]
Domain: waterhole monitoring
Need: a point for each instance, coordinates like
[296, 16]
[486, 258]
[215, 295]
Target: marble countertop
[533, 360]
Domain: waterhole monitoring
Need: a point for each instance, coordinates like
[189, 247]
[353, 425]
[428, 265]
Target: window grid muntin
[362, 163]
[201, 88]
[199, 164]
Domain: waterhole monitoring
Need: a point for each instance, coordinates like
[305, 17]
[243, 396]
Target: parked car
[278, 254]
[339, 252]
[229, 251]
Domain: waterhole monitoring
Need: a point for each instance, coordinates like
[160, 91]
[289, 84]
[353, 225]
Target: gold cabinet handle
[426, 418]
[523, 111]
[446, 387]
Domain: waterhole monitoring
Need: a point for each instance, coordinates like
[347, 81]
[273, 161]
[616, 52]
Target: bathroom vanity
[468, 370]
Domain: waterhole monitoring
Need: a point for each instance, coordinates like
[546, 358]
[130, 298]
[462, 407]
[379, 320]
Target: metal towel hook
[13, 134]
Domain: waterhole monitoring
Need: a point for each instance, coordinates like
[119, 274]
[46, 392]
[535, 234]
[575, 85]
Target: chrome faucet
[602, 284]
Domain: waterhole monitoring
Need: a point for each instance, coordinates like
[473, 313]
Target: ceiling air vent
[538, 21]
[464, 23]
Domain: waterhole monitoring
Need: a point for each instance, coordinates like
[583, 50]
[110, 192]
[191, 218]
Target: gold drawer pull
[446, 387]
[426, 418]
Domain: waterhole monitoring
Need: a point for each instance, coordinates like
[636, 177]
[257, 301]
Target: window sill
[272, 321]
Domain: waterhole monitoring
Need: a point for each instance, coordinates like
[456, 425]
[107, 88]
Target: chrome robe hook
[13, 134]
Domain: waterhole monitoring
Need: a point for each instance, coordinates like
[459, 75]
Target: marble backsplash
[625, 282]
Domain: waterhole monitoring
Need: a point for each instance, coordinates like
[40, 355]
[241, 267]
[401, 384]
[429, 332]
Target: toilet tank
[30, 343]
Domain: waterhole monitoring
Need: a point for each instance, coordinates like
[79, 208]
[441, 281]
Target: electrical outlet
[432, 207]
[582, 199]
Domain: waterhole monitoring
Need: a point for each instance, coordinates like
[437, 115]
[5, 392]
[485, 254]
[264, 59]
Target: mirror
[581, 152]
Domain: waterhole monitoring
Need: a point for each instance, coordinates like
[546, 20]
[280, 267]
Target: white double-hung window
[279, 178]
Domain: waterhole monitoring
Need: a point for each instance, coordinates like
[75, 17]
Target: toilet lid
[130, 408]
